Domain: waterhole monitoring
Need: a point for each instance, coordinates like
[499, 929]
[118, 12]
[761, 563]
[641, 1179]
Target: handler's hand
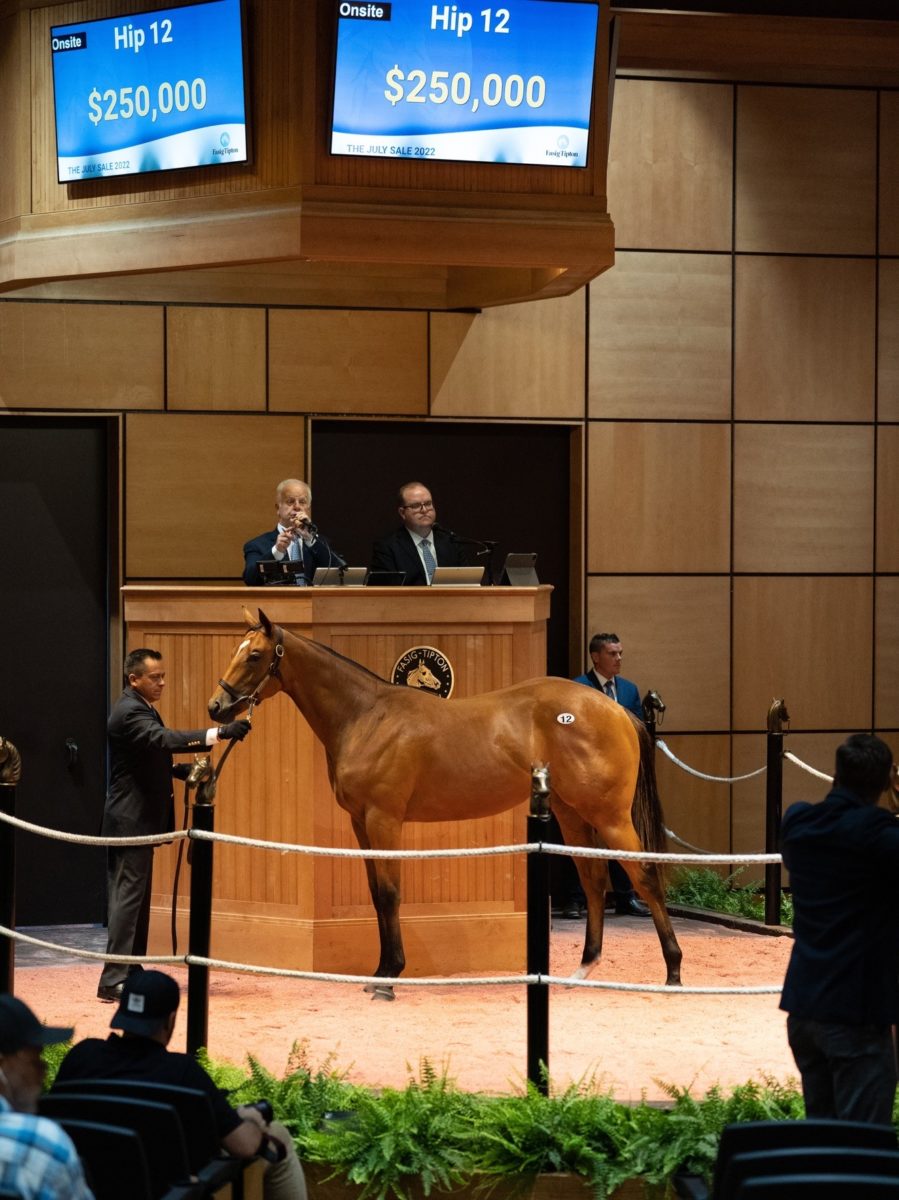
[236, 731]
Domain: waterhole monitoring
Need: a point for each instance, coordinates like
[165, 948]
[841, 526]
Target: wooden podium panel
[314, 912]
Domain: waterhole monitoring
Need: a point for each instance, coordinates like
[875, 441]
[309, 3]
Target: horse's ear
[248, 617]
[265, 624]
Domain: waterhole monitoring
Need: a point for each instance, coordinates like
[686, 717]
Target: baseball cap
[19, 1027]
[148, 997]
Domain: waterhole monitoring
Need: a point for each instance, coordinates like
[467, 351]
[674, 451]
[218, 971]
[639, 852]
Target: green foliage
[53, 1056]
[435, 1137]
[577, 1131]
[399, 1137]
[702, 888]
[300, 1100]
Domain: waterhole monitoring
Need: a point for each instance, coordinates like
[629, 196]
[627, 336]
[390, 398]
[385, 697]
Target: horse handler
[140, 801]
[842, 983]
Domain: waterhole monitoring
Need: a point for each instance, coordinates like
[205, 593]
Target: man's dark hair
[863, 765]
[599, 639]
[134, 663]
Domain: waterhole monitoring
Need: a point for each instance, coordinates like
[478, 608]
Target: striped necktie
[428, 559]
[609, 689]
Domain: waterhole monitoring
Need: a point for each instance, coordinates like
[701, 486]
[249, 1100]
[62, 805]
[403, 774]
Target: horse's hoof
[581, 973]
[382, 993]
[673, 980]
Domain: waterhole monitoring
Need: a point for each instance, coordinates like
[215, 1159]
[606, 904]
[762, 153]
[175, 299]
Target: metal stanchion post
[538, 927]
[10, 774]
[777, 715]
[200, 925]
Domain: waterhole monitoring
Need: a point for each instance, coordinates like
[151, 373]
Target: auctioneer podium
[311, 912]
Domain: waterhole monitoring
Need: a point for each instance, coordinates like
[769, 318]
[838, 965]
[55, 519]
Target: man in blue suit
[606, 654]
[294, 537]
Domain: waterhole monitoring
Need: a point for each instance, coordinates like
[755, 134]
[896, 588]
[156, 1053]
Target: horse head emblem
[254, 671]
[421, 677]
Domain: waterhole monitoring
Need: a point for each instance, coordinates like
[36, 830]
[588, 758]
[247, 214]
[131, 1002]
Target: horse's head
[253, 672]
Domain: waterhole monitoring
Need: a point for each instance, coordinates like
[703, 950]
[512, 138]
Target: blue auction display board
[513, 83]
[150, 91]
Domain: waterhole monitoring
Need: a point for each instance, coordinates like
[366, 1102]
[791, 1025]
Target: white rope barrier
[83, 839]
[700, 774]
[805, 767]
[76, 952]
[188, 960]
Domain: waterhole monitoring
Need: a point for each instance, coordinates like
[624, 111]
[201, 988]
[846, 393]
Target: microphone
[442, 529]
[306, 524]
[484, 543]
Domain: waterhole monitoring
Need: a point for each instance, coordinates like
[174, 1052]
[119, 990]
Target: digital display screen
[150, 91]
[416, 79]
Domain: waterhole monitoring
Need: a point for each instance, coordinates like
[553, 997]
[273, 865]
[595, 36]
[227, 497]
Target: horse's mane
[336, 654]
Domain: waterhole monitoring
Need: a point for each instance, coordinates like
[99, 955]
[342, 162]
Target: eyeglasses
[419, 506]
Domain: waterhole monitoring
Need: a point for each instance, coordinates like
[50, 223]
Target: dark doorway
[53, 612]
[504, 483]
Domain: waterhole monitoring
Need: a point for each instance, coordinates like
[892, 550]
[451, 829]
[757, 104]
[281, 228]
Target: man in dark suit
[417, 548]
[294, 537]
[606, 654]
[842, 983]
[140, 801]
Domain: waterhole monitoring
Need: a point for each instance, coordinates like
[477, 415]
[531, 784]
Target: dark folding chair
[816, 1160]
[207, 1161]
[157, 1125]
[747, 1136]
[113, 1158]
[819, 1187]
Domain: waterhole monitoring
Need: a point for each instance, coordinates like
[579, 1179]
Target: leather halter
[273, 672]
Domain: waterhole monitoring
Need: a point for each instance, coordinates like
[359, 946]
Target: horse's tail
[646, 812]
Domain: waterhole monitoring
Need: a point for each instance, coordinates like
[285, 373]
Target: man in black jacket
[140, 801]
[417, 548]
[842, 983]
[294, 537]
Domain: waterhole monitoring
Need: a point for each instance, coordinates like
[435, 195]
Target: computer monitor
[339, 577]
[457, 577]
[520, 570]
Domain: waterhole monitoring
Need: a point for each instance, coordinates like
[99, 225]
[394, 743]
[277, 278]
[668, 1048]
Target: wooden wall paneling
[803, 498]
[804, 339]
[660, 337]
[215, 358]
[670, 165]
[347, 361]
[658, 497]
[790, 636]
[523, 360]
[675, 631]
[275, 36]
[887, 498]
[806, 170]
[697, 810]
[886, 657]
[85, 356]
[738, 45]
[15, 98]
[888, 340]
[889, 172]
[198, 487]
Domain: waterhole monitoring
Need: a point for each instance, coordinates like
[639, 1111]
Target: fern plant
[703, 888]
[398, 1138]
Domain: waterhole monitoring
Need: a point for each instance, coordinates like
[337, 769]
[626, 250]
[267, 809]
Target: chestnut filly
[398, 754]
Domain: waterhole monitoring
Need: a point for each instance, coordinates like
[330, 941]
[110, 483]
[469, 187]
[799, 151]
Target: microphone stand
[486, 548]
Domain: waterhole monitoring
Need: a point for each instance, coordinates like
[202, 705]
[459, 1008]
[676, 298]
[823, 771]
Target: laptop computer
[332, 577]
[457, 577]
[520, 570]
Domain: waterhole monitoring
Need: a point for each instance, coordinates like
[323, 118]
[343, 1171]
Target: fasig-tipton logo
[426, 668]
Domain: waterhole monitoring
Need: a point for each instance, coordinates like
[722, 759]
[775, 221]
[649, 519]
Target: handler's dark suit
[139, 801]
[259, 549]
[399, 552]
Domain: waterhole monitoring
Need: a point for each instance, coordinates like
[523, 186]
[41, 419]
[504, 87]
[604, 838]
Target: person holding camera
[146, 1017]
[140, 801]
